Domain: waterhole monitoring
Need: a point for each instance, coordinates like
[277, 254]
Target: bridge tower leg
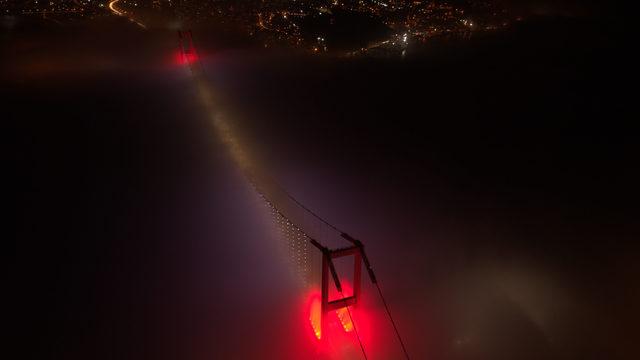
[329, 268]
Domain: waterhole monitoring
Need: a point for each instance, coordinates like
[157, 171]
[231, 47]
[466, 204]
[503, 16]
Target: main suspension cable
[395, 328]
[311, 212]
[364, 353]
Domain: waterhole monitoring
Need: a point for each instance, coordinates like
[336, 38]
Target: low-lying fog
[493, 183]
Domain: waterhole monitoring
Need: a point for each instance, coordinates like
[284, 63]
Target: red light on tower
[322, 308]
[187, 53]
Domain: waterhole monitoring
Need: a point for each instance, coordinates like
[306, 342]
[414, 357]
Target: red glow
[338, 321]
[186, 58]
[337, 340]
[315, 317]
[347, 290]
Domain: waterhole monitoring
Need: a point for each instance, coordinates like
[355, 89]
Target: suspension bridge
[325, 261]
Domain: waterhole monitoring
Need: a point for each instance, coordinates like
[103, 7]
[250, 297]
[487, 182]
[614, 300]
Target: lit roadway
[112, 7]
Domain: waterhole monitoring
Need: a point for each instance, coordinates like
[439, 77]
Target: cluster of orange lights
[345, 319]
[315, 317]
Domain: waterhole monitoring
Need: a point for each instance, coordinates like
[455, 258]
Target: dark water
[494, 182]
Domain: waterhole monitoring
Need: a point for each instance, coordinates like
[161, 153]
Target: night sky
[494, 181]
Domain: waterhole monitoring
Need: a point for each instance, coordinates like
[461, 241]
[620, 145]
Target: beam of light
[345, 320]
[315, 316]
[138, 23]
